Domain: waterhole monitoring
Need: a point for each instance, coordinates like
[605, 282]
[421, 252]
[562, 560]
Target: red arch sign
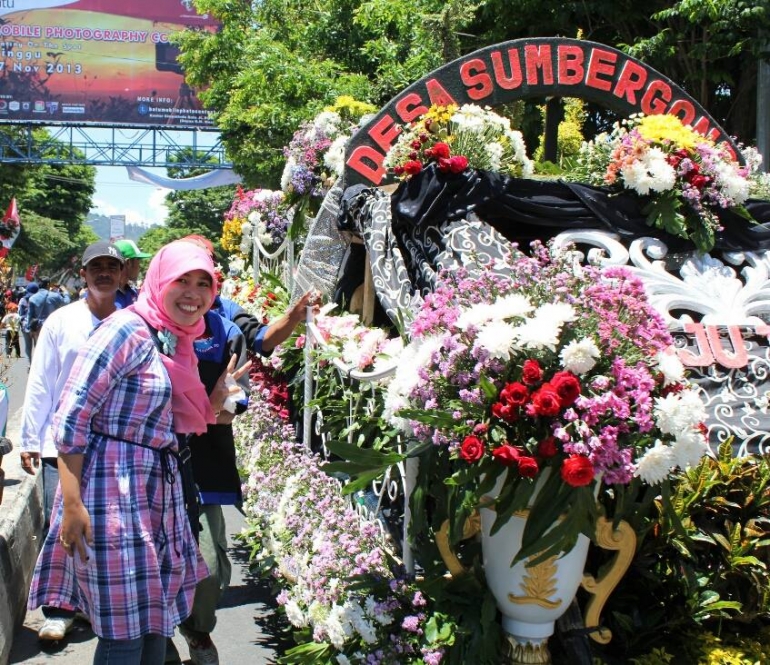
[523, 68]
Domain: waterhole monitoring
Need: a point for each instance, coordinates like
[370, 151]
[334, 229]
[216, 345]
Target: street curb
[21, 523]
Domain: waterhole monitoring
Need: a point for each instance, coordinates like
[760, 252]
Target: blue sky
[117, 195]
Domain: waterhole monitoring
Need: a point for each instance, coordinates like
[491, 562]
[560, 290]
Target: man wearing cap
[64, 333]
[127, 292]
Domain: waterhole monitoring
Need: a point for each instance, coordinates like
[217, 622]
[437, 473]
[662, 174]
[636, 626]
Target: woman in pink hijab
[120, 548]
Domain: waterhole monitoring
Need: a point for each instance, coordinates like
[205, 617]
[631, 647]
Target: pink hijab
[189, 401]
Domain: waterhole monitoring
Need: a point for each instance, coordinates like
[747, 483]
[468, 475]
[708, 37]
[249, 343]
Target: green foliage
[570, 135]
[701, 562]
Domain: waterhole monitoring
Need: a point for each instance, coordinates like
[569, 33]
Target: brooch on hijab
[167, 341]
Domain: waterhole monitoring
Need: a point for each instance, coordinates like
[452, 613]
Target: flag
[11, 225]
[31, 272]
[12, 214]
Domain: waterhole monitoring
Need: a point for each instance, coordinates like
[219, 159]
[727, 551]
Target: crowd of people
[128, 417]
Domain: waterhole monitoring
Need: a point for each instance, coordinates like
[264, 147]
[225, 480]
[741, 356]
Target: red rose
[547, 447]
[458, 163]
[699, 181]
[441, 150]
[577, 471]
[472, 449]
[514, 394]
[528, 467]
[567, 386]
[531, 372]
[506, 454]
[412, 167]
[505, 412]
[398, 170]
[545, 402]
[416, 144]
[443, 164]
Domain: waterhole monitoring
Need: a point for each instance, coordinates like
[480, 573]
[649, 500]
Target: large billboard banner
[97, 61]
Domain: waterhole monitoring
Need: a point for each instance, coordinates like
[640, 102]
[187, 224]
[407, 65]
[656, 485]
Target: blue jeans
[145, 650]
[50, 471]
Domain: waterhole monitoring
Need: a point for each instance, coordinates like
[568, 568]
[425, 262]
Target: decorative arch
[521, 69]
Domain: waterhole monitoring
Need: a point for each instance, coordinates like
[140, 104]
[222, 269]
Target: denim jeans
[146, 650]
[50, 471]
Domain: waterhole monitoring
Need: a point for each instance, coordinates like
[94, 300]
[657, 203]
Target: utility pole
[763, 105]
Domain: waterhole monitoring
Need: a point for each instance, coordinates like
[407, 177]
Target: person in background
[26, 335]
[120, 547]
[60, 340]
[127, 293]
[10, 325]
[41, 305]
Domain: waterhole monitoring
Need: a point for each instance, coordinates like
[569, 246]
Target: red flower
[480, 428]
[416, 144]
[577, 471]
[547, 447]
[545, 402]
[458, 163]
[505, 412]
[567, 386]
[528, 467]
[412, 167]
[472, 449]
[441, 150]
[531, 372]
[699, 181]
[507, 454]
[514, 394]
[398, 170]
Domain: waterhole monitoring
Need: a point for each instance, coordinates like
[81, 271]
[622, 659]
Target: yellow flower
[669, 129]
[231, 235]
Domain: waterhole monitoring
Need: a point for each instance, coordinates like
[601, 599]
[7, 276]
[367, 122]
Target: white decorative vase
[531, 599]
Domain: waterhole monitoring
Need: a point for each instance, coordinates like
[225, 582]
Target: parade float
[523, 392]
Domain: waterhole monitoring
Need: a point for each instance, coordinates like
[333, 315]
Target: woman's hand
[222, 391]
[76, 530]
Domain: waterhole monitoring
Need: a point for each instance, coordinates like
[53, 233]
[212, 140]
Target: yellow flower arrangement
[231, 235]
[669, 129]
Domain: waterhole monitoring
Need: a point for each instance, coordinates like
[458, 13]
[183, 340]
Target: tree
[53, 201]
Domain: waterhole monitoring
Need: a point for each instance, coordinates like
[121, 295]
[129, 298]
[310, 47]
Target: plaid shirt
[141, 578]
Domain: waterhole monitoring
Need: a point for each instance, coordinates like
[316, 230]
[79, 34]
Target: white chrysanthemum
[689, 448]
[539, 333]
[656, 463]
[670, 367]
[651, 172]
[512, 305]
[559, 312]
[337, 628]
[677, 412]
[732, 184]
[334, 159]
[342, 659]
[476, 315]
[295, 615]
[470, 118]
[580, 357]
[236, 265]
[327, 122]
[497, 338]
[288, 170]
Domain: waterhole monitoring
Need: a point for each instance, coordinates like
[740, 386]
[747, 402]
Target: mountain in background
[101, 226]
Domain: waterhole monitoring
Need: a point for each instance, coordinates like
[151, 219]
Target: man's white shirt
[61, 337]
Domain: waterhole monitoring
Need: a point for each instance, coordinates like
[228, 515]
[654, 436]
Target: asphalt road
[248, 628]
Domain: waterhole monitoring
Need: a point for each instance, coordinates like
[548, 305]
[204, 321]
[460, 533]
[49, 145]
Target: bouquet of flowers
[260, 214]
[686, 176]
[547, 370]
[458, 138]
[315, 156]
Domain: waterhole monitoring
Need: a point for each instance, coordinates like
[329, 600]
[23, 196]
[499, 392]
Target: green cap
[129, 249]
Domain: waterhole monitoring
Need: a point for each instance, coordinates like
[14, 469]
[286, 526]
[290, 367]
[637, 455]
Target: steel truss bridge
[111, 145]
